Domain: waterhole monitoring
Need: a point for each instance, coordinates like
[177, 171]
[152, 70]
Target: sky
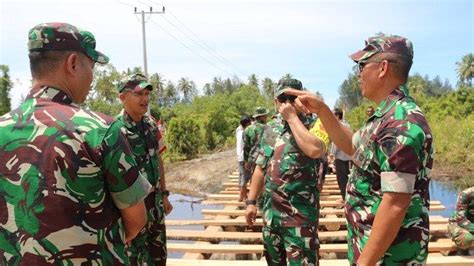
[203, 39]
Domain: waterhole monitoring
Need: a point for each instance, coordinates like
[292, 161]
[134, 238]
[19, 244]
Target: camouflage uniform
[149, 247]
[291, 198]
[462, 221]
[64, 174]
[393, 153]
[252, 137]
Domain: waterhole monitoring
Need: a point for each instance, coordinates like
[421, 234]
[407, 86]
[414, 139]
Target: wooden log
[242, 212]
[257, 248]
[240, 221]
[218, 236]
[236, 197]
[431, 261]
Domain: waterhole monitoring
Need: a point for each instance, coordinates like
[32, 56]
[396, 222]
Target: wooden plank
[325, 192]
[242, 212]
[240, 221]
[431, 261]
[257, 248]
[323, 203]
[236, 197]
[218, 236]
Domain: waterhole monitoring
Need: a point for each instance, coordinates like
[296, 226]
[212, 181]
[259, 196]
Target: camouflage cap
[64, 37]
[259, 111]
[284, 84]
[384, 43]
[134, 83]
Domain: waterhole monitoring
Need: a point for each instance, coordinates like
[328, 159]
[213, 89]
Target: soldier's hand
[306, 101]
[167, 205]
[287, 111]
[250, 214]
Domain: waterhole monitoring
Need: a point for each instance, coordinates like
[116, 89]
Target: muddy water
[189, 208]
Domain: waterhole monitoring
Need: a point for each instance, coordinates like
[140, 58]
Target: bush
[183, 137]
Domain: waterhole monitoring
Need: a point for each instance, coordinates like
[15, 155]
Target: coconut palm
[466, 69]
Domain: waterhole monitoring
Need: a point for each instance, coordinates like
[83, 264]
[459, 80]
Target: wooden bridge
[226, 240]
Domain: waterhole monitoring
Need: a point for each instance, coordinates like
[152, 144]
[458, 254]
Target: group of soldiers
[78, 187]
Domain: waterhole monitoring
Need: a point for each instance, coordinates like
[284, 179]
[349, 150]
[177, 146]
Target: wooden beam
[240, 221]
[257, 248]
[242, 212]
[236, 197]
[216, 237]
[431, 261]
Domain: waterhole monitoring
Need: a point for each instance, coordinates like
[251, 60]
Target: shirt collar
[51, 93]
[391, 100]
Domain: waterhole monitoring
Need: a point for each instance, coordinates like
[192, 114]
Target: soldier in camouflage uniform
[149, 247]
[252, 137]
[287, 168]
[387, 200]
[461, 224]
[70, 191]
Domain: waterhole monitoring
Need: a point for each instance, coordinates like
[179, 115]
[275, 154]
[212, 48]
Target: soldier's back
[56, 206]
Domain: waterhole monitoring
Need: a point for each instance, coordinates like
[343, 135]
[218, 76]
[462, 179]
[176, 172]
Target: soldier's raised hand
[306, 101]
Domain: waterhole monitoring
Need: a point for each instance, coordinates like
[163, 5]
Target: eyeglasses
[361, 64]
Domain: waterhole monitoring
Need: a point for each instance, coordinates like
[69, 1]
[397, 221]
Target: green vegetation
[5, 87]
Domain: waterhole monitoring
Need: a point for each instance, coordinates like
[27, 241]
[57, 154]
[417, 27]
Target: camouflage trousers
[462, 237]
[298, 245]
[149, 247]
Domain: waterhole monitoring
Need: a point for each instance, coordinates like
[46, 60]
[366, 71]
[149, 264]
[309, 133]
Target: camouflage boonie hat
[259, 111]
[64, 37]
[284, 84]
[134, 83]
[384, 43]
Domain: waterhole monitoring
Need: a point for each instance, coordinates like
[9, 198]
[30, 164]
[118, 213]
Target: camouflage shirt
[146, 142]
[464, 215]
[64, 174]
[290, 198]
[393, 154]
[252, 138]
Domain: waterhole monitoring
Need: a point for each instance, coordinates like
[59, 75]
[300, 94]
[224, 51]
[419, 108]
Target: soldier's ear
[72, 62]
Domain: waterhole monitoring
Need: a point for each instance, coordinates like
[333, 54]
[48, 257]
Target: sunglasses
[282, 98]
[361, 64]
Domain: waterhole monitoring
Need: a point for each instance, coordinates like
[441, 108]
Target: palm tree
[187, 88]
[466, 69]
[268, 88]
[158, 83]
[253, 80]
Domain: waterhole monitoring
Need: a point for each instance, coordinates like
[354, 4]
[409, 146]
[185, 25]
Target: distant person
[252, 137]
[244, 173]
[286, 169]
[461, 224]
[387, 196]
[370, 111]
[341, 159]
[149, 247]
[71, 192]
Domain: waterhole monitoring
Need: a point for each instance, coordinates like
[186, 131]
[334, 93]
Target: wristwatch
[165, 193]
[250, 202]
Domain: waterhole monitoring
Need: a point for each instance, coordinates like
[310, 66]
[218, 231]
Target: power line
[190, 49]
[200, 43]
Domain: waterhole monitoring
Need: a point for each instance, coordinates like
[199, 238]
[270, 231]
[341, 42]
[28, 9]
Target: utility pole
[145, 65]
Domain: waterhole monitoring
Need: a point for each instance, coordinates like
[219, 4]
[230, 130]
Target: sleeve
[398, 150]
[161, 141]
[264, 153]
[319, 131]
[122, 176]
[247, 145]
[239, 145]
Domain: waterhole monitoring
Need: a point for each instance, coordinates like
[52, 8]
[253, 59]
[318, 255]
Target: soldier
[244, 173]
[252, 137]
[370, 111]
[287, 167]
[461, 224]
[70, 190]
[149, 247]
[387, 198]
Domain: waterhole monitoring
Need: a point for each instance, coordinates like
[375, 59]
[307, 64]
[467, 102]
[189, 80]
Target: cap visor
[357, 55]
[102, 58]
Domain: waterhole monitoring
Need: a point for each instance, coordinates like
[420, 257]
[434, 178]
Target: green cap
[259, 111]
[134, 83]
[284, 84]
[64, 37]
